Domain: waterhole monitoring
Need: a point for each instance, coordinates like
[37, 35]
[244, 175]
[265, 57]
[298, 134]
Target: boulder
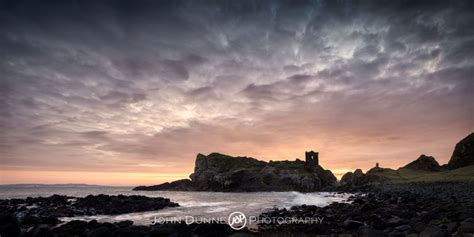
[433, 231]
[369, 232]
[9, 225]
[463, 154]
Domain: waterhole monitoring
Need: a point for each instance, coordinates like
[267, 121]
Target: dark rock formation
[358, 178]
[427, 163]
[97, 229]
[415, 209]
[113, 205]
[463, 154]
[178, 185]
[218, 172]
[47, 210]
[9, 225]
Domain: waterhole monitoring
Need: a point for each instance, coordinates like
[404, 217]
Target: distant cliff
[424, 162]
[463, 154]
[223, 173]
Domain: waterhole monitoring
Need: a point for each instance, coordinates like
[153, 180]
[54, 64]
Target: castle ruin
[312, 158]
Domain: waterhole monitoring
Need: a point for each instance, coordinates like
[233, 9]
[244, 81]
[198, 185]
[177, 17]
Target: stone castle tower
[312, 158]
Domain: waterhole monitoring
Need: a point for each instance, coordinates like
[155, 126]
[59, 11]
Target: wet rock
[352, 224]
[9, 226]
[241, 235]
[125, 223]
[47, 210]
[369, 232]
[394, 221]
[112, 205]
[40, 231]
[451, 227]
[180, 229]
[396, 210]
[101, 232]
[72, 228]
[132, 231]
[466, 227]
[403, 228]
[433, 231]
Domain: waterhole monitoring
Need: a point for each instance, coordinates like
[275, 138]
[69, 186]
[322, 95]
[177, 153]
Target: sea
[194, 206]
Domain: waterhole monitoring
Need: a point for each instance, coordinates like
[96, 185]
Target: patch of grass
[465, 174]
[296, 166]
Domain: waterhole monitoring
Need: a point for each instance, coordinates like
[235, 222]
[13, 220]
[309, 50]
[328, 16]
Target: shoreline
[386, 210]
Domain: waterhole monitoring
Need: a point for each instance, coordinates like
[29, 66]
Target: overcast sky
[128, 92]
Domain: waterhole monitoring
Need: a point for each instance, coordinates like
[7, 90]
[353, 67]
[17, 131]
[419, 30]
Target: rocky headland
[223, 173]
[460, 168]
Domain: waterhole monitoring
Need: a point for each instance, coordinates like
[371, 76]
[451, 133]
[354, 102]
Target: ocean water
[198, 205]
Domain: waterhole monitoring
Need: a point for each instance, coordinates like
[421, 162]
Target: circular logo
[237, 220]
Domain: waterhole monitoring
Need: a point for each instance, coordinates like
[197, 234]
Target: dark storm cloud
[132, 81]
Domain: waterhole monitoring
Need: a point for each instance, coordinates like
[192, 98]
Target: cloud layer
[142, 86]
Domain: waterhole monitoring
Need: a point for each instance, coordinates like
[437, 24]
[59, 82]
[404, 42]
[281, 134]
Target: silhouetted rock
[427, 163]
[218, 172]
[358, 178]
[112, 205]
[9, 226]
[178, 185]
[463, 154]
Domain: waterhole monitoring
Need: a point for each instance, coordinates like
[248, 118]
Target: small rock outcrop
[223, 173]
[178, 185]
[376, 169]
[358, 178]
[463, 154]
[426, 163]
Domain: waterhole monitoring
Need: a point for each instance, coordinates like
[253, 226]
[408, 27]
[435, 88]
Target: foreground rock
[218, 172]
[127, 229]
[47, 210]
[417, 209]
[463, 154]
